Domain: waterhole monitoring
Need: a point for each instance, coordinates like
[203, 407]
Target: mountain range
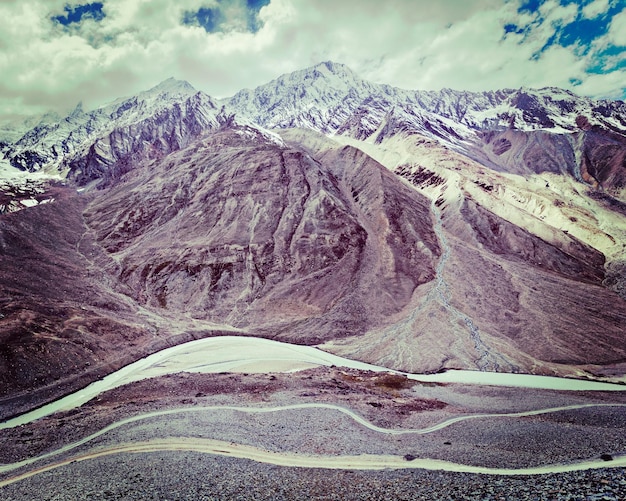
[418, 230]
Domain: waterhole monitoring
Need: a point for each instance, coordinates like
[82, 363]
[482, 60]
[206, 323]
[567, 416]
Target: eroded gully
[487, 359]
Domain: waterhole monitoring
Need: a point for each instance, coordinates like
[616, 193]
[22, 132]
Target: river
[249, 354]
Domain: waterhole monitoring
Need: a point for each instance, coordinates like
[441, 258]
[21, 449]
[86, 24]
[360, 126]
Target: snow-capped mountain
[521, 131]
[548, 108]
[417, 230]
[331, 99]
[327, 96]
[162, 118]
[13, 130]
[322, 98]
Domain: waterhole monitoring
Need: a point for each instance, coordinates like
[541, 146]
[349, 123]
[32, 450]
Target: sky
[55, 53]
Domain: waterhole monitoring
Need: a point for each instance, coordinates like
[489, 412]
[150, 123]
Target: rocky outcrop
[527, 152]
[170, 129]
[603, 160]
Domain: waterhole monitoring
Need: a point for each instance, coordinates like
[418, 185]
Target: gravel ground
[191, 476]
[497, 443]
[387, 402]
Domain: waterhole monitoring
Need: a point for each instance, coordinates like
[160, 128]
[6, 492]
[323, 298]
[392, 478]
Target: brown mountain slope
[234, 230]
[59, 319]
[594, 155]
[247, 232]
[519, 285]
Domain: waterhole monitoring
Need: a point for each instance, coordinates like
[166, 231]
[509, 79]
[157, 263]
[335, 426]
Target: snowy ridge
[525, 109]
[328, 97]
[321, 98]
[331, 99]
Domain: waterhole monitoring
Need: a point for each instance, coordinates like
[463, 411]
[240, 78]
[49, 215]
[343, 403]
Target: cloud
[221, 46]
[594, 9]
[617, 31]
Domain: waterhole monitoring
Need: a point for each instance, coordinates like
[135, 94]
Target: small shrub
[393, 381]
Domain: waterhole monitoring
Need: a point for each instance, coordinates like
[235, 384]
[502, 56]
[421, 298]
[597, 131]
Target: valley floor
[187, 436]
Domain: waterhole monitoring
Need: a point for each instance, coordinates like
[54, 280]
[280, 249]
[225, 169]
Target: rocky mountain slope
[419, 230]
[238, 229]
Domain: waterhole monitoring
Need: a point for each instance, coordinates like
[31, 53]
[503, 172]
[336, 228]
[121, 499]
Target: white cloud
[609, 85]
[596, 8]
[556, 14]
[617, 31]
[412, 44]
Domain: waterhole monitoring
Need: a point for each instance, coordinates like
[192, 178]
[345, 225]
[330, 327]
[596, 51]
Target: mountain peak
[173, 86]
[309, 98]
[334, 68]
[330, 70]
[78, 111]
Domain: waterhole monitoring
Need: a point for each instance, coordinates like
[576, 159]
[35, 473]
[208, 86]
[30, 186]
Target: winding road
[285, 458]
[249, 354]
[361, 462]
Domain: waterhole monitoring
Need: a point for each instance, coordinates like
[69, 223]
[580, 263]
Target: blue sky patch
[207, 18]
[513, 28]
[76, 14]
[256, 5]
[610, 59]
[253, 21]
[530, 6]
[213, 19]
[583, 31]
[578, 35]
